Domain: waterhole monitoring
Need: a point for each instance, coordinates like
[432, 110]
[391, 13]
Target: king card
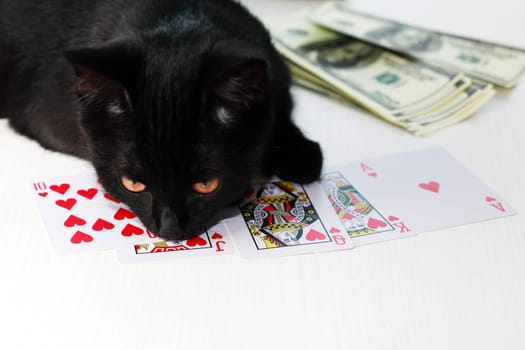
[361, 220]
[283, 218]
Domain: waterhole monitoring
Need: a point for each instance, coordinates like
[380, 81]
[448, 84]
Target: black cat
[179, 104]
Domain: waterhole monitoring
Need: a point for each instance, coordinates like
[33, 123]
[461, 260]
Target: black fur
[167, 92]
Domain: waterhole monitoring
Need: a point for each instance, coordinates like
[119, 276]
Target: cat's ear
[242, 85]
[105, 71]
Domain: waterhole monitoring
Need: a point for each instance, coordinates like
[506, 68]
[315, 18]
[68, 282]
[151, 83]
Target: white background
[461, 288]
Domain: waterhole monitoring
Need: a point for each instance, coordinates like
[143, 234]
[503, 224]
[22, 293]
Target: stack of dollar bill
[414, 78]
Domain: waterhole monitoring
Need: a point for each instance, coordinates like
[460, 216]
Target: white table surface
[460, 288]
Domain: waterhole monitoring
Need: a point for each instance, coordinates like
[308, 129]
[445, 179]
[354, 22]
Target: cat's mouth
[169, 227]
[182, 236]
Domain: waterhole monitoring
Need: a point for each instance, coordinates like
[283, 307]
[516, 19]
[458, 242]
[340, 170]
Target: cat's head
[176, 132]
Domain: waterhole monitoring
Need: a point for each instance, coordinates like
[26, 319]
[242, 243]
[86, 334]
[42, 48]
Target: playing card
[418, 191]
[361, 220]
[283, 218]
[79, 216]
[214, 241]
[364, 202]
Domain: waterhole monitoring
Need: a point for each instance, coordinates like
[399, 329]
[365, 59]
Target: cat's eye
[206, 186]
[131, 185]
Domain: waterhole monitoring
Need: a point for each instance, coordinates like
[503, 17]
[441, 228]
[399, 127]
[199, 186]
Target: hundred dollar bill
[379, 80]
[461, 108]
[495, 63]
[305, 84]
[303, 76]
[438, 112]
[437, 102]
[429, 128]
[310, 82]
[455, 105]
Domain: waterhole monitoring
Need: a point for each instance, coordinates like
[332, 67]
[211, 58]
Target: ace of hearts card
[282, 218]
[400, 195]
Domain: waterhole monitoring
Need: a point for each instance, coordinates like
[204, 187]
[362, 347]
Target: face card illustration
[361, 220]
[282, 218]
[215, 241]
[424, 190]
[80, 217]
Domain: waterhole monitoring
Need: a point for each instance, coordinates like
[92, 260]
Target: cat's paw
[300, 162]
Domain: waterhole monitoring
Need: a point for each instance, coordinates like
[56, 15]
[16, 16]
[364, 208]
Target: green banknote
[495, 63]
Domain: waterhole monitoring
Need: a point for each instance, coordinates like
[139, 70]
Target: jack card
[214, 241]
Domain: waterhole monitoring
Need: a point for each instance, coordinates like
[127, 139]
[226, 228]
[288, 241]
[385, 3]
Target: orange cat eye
[206, 186]
[131, 185]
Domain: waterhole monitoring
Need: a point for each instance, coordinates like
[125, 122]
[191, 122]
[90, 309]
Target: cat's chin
[186, 234]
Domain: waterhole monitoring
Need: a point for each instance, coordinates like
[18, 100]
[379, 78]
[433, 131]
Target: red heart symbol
[216, 236]
[110, 198]
[89, 194]
[393, 218]
[490, 199]
[102, 224]
[197, 241]
[431, 186]
[131, 230]
[73, 220]
[80, 237]
[122, 214]
[314, 235]
[66, 204]
[43, 194]
[60, 188]
[374, 223]
[334, 230]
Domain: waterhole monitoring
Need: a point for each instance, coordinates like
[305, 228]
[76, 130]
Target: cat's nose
[170, 230]
[169, 226]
